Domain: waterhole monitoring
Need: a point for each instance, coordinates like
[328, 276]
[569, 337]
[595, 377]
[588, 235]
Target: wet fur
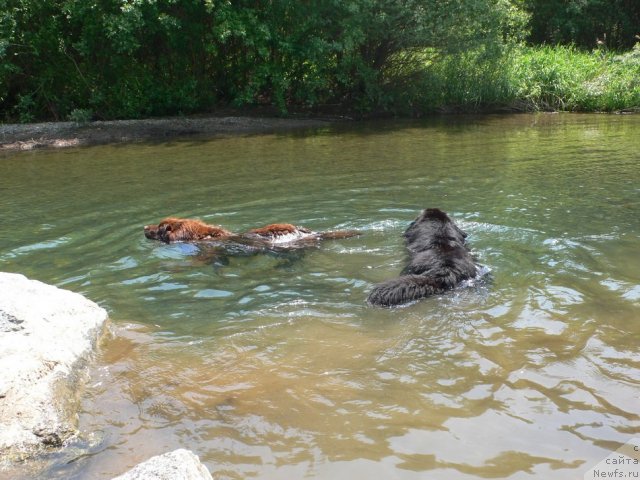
[438, 261]
[182, 229]
[288, 233]
[174, 229]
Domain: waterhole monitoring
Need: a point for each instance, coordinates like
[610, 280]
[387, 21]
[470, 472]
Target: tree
[132, 58]
[585, 23]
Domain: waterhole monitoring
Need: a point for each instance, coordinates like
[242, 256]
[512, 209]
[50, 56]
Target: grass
[543, 78]
[565, 79]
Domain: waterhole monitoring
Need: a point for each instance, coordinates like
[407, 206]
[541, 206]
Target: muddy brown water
[273, 366]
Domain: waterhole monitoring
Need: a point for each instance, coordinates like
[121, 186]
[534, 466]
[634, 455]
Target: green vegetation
[84, 59]
[563, 78]
[615, 23]
[533, 78]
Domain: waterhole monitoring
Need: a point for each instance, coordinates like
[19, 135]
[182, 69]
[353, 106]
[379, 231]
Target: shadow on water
[273, 366]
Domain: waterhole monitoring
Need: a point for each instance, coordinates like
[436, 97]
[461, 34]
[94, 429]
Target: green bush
[523, 79]
[159, 57]
[585, 23]
[131, 59]
[564, 78]
[81, 115]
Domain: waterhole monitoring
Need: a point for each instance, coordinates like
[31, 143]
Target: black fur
[438, 261]
[433, 228]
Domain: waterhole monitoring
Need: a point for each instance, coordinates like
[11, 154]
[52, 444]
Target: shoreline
[16, 137]
[46, 135]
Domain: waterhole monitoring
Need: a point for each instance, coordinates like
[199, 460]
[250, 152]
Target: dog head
[183, 230]
[433, 227]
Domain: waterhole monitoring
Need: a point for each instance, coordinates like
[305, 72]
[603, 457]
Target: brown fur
[180, 229]
[174, 229]
[277, 229]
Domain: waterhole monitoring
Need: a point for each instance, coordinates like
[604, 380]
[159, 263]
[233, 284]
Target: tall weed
[566, 79]
[548, 78]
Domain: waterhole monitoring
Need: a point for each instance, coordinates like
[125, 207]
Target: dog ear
[165, 233]
[172, 235]
[435, 214]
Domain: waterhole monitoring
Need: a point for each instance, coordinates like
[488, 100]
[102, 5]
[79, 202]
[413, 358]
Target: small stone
[180, 464]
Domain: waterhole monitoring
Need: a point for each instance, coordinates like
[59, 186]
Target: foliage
[472, 81]
[615, 23]
[117, 58]
[103, 59]
[563, 78]
[525, 79]
[80, 115]
[133, 58]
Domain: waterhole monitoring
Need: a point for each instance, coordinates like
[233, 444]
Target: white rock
[46, 336]
[177, 465]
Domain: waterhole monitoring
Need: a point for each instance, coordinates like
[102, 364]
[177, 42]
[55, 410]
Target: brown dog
[188, 230]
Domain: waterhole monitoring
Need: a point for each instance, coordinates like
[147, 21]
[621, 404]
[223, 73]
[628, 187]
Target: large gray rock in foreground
[177, 465]
[46, 336]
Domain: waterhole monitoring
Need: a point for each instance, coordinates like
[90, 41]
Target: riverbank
[30, 136]
[49, 335]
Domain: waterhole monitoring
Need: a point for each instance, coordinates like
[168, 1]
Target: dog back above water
[284, 235]
[439, 261]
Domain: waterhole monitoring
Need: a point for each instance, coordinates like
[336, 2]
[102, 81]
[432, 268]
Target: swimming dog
[438, 261]
[175, 229]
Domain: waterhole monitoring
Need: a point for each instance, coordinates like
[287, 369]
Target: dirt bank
[71, 134]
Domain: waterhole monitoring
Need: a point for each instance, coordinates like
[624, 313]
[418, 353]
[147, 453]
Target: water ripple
[273, 366]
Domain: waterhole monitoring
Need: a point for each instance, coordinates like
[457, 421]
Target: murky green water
[274, 368]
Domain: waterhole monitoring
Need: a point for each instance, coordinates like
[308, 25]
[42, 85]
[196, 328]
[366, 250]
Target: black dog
[438, 261]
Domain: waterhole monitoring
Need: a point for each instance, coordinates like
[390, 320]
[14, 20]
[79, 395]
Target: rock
[177, 465]
[46, 336]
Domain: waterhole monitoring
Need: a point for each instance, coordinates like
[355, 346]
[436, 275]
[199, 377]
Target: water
[273, 367]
